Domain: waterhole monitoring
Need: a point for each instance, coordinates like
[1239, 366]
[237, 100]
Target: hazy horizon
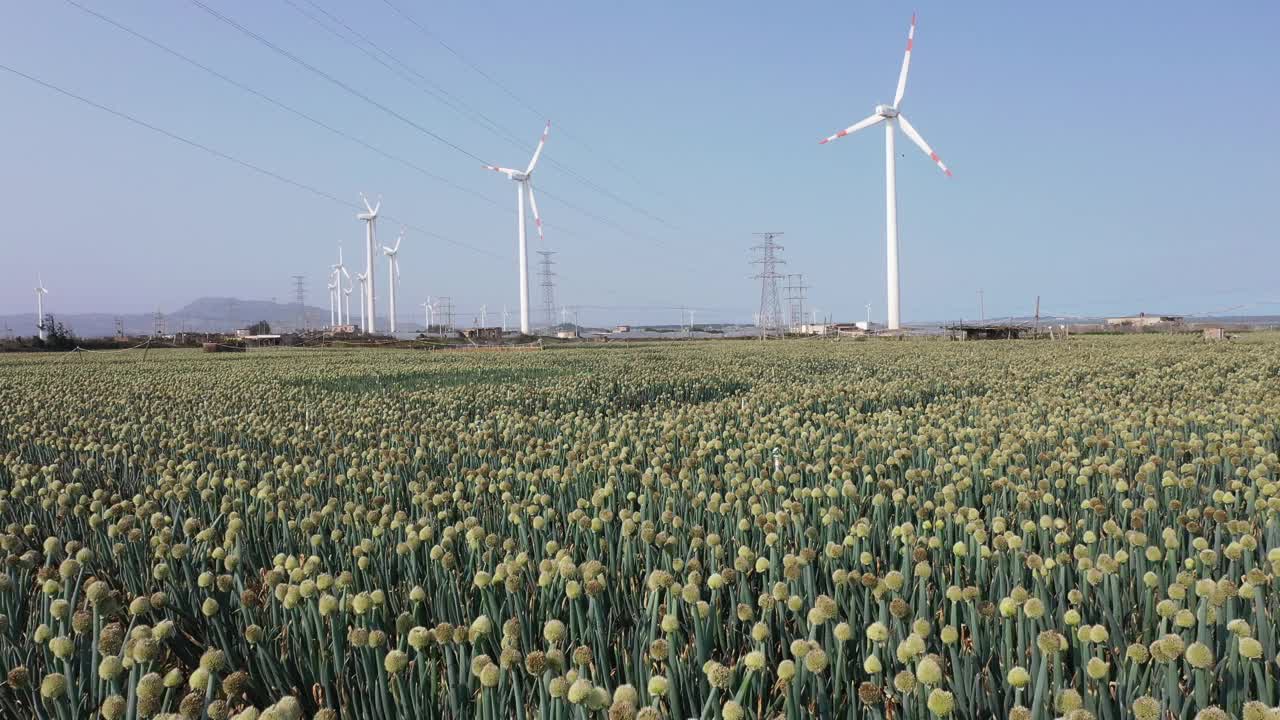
[1109, 159]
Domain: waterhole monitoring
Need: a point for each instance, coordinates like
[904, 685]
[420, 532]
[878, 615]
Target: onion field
[728, 530]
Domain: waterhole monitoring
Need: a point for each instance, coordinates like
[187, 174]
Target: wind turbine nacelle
[886, 111]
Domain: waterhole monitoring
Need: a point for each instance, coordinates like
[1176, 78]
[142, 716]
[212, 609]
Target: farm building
[986, 331]
[483, 333]
[1142, 320]
[260, 341]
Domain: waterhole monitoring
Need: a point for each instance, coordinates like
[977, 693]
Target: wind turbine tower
[524, 186]
[892, 116]
[370, 218]
[360, 279]
[333, 297]
[393, 271]
[346, 293]
[41, 291]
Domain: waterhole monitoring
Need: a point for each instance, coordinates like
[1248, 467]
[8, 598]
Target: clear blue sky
[1110, 157]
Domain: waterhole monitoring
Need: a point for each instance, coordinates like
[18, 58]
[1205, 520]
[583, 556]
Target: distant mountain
[210, 314]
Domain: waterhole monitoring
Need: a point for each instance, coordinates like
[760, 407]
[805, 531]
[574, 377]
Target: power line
[337, 131]
[233, 159]
[435, 91]
[303, 63]
[432, 89]
[283, 106]
[335, 81]
[519, 100]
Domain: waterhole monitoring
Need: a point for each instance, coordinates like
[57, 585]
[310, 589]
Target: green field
[718, 530]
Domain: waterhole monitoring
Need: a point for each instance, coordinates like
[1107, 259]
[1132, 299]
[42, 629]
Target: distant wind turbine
[41, 291]
[339, 272]
[334, 304]
[524, 185]
[360, 279]
[393, 270]
[370, 218]
[346, 297]
[891, 116]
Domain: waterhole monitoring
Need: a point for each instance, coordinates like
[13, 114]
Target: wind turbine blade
[346, 274]
[919, 141]
[860, 125]
[533, 204]
[505, 171]
[906, 63]
[538, 151]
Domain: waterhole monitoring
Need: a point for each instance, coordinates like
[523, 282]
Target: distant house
[853, 329]
[260, 341]
[622, 328]
[1000, 331]
[1142, 320]
[483, 333]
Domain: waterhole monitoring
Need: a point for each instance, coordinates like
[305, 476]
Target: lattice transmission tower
[795, 301]
[547, 279]
[300, 297]
[769, 319]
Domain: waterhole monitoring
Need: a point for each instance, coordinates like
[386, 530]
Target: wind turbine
[369, 218]
[429, 309]
[346, 293]
[360, 279]
[334, 304]
[41, 291]
[393, 269]
[340, 271]
[524, 185]
[891, 116]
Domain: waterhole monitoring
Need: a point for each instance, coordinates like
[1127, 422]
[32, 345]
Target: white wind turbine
[890, 116]
[333, 298]
[346, 296]
[41, 291]
[360, 279]
[524, 185]
[427, 307]
[340, 271]
[393, 270]
[370, 218]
